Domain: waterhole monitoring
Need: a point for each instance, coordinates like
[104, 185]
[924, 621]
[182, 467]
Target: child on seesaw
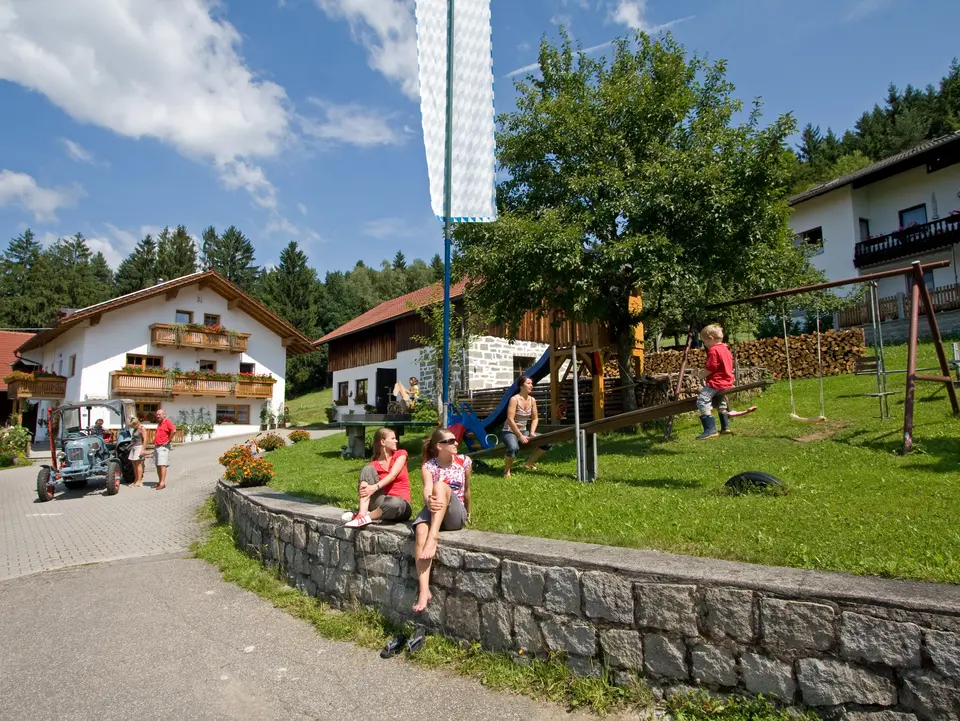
[719, 380]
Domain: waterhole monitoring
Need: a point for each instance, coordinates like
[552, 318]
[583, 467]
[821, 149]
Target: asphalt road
[165, 638]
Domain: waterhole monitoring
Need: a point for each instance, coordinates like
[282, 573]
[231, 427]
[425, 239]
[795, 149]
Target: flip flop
[416, 640]
[394, 646]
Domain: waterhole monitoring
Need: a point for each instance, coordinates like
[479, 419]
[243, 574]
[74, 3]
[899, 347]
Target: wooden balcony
[138, 385]
[165, 334]
[909, 242]
[44, 388]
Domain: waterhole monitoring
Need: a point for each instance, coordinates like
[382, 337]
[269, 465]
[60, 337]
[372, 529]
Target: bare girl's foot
[529, 468]
[422, 601]
[429, 549]
[506, 474]
[159, 487]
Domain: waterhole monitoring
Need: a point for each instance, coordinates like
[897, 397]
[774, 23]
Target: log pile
[840, 351]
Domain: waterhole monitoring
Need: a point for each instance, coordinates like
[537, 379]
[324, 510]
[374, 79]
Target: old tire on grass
[75, 485]
[753, 482]
[45, 485]
[114, 474]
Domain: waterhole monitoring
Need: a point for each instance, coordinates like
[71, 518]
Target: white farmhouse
[196, 344]
[901, 209]
[370, 353]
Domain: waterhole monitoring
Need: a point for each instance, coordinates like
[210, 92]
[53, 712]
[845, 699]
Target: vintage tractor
[80, 452]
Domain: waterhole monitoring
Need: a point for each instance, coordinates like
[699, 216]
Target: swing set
[919, 292]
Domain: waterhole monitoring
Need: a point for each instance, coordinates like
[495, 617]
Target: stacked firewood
[839, 351]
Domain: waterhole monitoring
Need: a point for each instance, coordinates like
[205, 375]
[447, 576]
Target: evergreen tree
[176, 254]
[72, 274]
[231, 254]
[26, 300]
[208, 246]
[104, 285]
[293, 292]
[139, 269]
[399, 261]
[436, 267]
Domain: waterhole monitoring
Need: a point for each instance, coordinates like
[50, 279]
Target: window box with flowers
[195, 335]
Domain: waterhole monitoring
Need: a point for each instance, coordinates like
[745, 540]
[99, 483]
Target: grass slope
[308, 410]
[853, 504]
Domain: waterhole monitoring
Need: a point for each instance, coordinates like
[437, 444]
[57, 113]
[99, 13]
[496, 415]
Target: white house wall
[407, 365]
[103, 348]
[838, 213]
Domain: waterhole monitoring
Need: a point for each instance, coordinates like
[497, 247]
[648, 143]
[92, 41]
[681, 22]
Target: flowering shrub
[249, 471]
[14, 439]
[298, 436]
[271, 442]
[146, 371]
[257, 376]
[236, 453]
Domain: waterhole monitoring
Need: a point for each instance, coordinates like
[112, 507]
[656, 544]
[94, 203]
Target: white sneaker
[359, 521]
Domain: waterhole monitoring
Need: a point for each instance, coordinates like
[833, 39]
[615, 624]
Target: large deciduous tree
[631, 174]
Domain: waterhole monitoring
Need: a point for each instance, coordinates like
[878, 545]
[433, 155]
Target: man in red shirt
[719, 379]
[162, 440]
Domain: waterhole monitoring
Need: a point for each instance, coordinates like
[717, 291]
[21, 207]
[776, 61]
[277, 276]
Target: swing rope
[793, 407]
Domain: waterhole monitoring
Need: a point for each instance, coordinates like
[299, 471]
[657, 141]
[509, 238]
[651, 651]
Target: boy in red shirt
[719, 379]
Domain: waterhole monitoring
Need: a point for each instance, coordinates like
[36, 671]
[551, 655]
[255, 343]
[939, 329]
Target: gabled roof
[918, 155]
[393, 309]
[296, 342]
[9, 342]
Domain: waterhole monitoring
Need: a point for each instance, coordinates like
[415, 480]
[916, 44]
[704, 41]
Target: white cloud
[536, 66]
[170, 71]
[302, 208]
[387, 31]
[383, 228]
[77, 152]
[561, 19]
[864, 8]
[523, 47]
[307, 237]
[22, 190]
[353, 124]
[632, 13]
[238, 173]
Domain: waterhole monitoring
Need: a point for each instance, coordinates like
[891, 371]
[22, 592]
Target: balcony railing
[944, 298]
[912, 241]
[40, 388]
[165, 334]
[123, 383]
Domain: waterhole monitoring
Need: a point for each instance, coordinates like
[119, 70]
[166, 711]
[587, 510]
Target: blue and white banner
[474, 151]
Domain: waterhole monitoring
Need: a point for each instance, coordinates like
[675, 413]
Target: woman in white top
[521, 426]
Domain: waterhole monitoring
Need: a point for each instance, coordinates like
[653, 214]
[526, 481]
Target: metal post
[874, 322]
[910, 390]
[881, 359]
[447, 213]
[576, 412]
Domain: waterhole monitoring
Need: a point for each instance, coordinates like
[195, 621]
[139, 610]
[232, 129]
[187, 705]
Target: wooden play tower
[596, 352]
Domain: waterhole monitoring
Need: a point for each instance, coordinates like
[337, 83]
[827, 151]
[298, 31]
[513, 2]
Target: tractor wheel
[114, 475]
[75, 485]
[44, 485]
[126, 469]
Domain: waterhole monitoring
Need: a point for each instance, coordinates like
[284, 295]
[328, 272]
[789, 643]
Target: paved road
[166, 638]
[88, 527]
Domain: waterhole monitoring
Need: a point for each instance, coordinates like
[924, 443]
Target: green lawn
[308, 410]
[853, 503]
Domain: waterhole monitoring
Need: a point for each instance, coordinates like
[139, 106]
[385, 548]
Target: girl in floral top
[446, 502]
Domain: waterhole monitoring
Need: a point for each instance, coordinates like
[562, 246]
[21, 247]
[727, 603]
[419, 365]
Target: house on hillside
[196, 344]
[887, 215]
[370, 353]
[9, 342]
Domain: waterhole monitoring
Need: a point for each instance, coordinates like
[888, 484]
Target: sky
[299, 119]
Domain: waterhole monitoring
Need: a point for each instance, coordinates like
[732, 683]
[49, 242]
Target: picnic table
[357, 431]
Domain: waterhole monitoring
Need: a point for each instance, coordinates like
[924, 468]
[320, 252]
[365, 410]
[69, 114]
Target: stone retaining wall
[856, 648]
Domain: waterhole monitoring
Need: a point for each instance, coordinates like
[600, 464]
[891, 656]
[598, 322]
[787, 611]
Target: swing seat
[801, 419]
[737, 414]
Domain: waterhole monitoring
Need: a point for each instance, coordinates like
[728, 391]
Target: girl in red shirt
[384, 486]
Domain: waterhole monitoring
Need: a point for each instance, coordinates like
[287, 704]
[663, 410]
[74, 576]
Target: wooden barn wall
[374, 346]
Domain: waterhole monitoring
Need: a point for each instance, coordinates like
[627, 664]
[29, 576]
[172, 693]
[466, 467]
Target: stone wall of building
[490, 362]
[854, 648]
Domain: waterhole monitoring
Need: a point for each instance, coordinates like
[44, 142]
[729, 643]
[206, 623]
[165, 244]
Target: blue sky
[299, 119]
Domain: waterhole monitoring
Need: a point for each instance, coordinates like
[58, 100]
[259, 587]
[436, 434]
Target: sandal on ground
[394, 646]
[416, 640]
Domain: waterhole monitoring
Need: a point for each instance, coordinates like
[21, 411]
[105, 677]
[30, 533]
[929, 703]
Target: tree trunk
[625, 341]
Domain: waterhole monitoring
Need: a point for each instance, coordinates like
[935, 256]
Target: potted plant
[281, 421]
[272, 420]
[286, 416]
[265, 416]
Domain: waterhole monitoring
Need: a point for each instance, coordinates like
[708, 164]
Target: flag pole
[447, 212]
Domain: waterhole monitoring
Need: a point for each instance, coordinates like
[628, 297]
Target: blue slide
[484, 430]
